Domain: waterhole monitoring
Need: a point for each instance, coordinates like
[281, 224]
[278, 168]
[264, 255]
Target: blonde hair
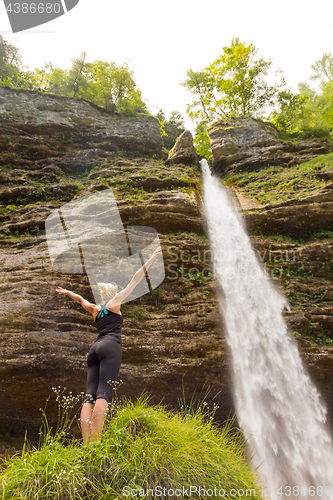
[107, 290]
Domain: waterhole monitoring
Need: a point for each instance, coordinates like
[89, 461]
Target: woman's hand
[61, 290]
[151, 259]
[156, 252]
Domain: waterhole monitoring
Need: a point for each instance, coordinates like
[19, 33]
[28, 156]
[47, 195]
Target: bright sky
[162, 40]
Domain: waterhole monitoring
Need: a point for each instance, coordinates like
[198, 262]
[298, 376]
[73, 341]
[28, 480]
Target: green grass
[143, 447]
[277, 184]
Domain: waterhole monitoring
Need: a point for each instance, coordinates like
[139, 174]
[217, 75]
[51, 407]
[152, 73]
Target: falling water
[278, 407]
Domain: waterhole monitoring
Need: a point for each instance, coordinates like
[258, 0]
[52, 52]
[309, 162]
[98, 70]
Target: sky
[162, 40]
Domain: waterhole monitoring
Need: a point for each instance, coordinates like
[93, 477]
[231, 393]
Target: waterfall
[278, 407]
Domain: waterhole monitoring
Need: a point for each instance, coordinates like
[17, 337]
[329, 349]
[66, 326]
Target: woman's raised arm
[88, 306]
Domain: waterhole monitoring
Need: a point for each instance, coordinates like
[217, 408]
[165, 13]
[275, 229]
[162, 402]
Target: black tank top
[109, 323]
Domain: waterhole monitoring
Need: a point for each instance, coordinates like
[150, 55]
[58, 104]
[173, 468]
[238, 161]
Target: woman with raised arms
[104, 357]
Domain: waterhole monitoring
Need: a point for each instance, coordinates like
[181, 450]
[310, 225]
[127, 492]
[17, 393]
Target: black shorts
[104, 360]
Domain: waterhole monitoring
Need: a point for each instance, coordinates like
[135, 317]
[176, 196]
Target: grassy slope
[143, 447]
[277, 184]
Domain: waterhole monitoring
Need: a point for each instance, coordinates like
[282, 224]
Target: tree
[306, 113]
[176, 119]
[76, 81]
[323, 69]
[323, 72]
[160, 115]
[10, 64]
[161, 119]
[233, 85]
[325, 104]
[123, 85]
[240, 81]
[309, 113]
[47, 79]
[201, 141]
[290, 112]
[105, 84]
[113, 87]
[199, 84]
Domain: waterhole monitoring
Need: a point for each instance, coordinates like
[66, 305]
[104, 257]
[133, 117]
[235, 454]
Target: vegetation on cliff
[143, 448]
[275, 184]
[109, 86]
[235, 85]
[232, 85]
[104, 83]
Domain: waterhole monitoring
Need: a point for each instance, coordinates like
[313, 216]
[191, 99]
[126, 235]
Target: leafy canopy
[10, 64]
[103, 83]
[308, 113]
[231, 86]
[323, 69]
[176, 119]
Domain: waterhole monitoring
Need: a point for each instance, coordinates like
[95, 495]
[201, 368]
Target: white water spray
[277, 405]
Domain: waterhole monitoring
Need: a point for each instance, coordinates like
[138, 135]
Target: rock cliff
[243, 145]
[53, 150]
[74, 120]
[183, 151]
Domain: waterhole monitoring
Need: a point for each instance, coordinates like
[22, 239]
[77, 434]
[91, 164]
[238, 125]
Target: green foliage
[161, 119]
[10, 65]
[323, 69]
[240, 81]
[232, 85]
[143, 447]
[312, 122]
[160, 115]
[76, 82]
[276, 184]
[199, 85]
[201, 141]
[105, 84]
[72, 82]
[290, 111]
[198, 276]
[47, 78]
[309, 113]
[112, 87]
[235, 85]
[162, 131]
[324, 105]
[305, 114]
[176, 119]
[133, 103]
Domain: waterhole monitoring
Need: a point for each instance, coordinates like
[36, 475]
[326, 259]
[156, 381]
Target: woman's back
[109, 323]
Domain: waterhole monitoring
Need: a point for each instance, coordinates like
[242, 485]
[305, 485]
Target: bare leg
[98, 418]
[86, 416]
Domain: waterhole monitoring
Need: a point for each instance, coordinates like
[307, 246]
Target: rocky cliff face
[183, 151]
[55, 149]
[243, 145]
[72, 120]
